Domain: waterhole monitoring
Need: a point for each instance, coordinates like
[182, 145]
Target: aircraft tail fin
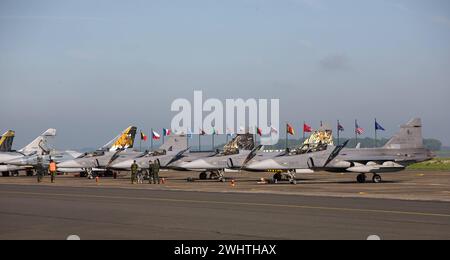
[6, 141]
[176, 143]
[40, 144]
[123, 141]
[241, 142]
[409, 136]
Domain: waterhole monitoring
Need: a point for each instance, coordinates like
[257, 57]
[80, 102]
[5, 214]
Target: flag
[229, 132]
[358, 130]
[307, 128]
[156, 136]
[340, 127]
[290, 130]
[189, 133]
[273, 130]
[378, 126]
[202, 132]
[167, 132]
[143, 137]
[259, 131]
[214, 131]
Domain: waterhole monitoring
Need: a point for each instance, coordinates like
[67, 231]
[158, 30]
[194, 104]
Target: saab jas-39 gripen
[404, 149]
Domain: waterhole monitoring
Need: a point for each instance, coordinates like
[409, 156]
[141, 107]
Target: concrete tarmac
[32, 211]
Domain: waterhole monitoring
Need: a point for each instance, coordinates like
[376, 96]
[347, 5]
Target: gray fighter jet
[405, 148]
[171, 151]
[39, 146]
[100, 160]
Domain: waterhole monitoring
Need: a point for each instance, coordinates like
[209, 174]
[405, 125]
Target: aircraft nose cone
[70, 164]
[265, 165]
[198, 164]
[122, 165]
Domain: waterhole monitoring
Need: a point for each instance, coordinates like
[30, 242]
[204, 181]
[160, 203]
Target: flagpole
[140, 143]
[356, 133]
[304, 133]
[375, 132]
[151, 144]
[199, 142]
[256, 136]
[164, 135]
[287, 137]
[338, 132]
[213, 137]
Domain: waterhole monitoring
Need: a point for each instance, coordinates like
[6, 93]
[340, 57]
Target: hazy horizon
[92, 68]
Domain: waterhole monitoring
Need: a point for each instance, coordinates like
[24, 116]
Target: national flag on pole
[156, 136]
[340, 127]
[189, 133]
[214, 131]
[378, 127]
[273, 130]
[143, 137]
[307, 128]
[167, 132]
[202, 132]
[230, 132]
[259, 131]
[290, 130]
[358, 130]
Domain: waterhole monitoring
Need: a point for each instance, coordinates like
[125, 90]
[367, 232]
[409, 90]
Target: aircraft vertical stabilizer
[410, 136]
[6, 141]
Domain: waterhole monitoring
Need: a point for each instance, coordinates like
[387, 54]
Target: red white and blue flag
[358, 130]
[155, 135]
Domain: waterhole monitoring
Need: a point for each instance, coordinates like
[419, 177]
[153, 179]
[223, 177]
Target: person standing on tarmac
[134, 171]
[40, 169]
[156, 172]
[151, 172]
[52, 169]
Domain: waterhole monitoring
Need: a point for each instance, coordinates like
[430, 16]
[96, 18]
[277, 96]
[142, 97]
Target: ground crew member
[134, 171]
[40, 169]
[52, 170]
[156, 172]
[151, 172]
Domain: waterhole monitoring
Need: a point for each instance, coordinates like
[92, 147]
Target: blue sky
[91, 68]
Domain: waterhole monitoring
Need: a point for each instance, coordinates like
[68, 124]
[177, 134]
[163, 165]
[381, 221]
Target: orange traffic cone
[163, 181]
[97, 179]
[233, 183]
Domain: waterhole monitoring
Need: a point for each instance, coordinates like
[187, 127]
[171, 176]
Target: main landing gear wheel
[361, 178]
[376, 178]
[203, 176]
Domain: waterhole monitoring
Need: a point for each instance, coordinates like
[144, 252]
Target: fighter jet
[405, 148]
[170, 153]
[100, 160]
[236, 159]
[233, 157]
[39, 146]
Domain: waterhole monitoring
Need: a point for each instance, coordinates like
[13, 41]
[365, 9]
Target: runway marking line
[424, 214]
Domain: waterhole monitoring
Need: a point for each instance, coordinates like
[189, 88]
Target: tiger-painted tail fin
[6, 141]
